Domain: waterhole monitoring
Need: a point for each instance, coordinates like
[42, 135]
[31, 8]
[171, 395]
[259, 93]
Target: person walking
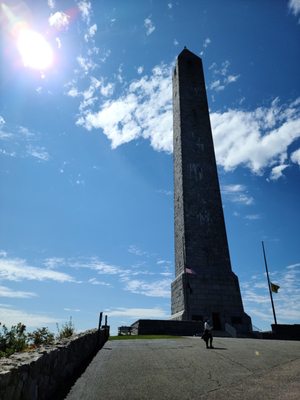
[207, 335]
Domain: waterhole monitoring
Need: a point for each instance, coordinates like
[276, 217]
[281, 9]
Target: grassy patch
[134, 337]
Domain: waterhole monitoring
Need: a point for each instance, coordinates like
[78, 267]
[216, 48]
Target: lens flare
[35, 51]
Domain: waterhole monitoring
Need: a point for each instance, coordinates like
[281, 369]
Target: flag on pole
[190, 271]
[274, 287]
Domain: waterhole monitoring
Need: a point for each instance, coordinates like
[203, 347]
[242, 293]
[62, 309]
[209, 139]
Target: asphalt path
[184, 369]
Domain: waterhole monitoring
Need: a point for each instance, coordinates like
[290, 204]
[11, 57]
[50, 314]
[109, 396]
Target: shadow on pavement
[218, 348]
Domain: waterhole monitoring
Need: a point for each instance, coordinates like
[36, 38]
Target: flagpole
[269, 283]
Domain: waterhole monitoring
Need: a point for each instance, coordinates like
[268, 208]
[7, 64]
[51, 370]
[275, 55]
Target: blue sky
[86, 175]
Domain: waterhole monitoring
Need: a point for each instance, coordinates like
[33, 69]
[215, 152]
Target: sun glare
[35, 51]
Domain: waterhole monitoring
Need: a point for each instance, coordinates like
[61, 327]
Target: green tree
[41, 336]
[12, 340]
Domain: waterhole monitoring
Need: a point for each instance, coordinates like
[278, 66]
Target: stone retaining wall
[47, 372]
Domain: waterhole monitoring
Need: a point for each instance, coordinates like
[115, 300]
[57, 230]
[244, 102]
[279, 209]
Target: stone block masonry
[205, 285]
[48, 372]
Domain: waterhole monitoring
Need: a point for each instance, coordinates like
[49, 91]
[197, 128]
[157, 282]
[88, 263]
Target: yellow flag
[274, 287]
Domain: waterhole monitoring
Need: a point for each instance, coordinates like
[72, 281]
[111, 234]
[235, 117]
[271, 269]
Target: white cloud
[92, 263]
[160, 262]
[294, 6]
[107, 89]
[144, 110]
[170, 6]
[276, 172]
[10, 316]
[293, 266]
[53, 262]
[237, 194]
[86, 64]
[92, 30]
[85, 9]
[58, 42]
[59, 20]
[104, 55]
[206, 42]
[140, 70]
[116, 120]
[257, 301]
[16, 294]
[38, 152]
[217, 86]
[2, 121]
[161, 288]
[136, 251]
[233, 188]
[253, 217]
[231, 78]
[222, 78]
[223, 70]
[95, 264]
[295, 157]
[25, 132]
[5, 135]
[4, 152]
[51, 4]
[137, 313]
[256, 139]
[175, 42]
[90, 33]
[16, 269]
[148, 24]
[73, 92]
[95, 281]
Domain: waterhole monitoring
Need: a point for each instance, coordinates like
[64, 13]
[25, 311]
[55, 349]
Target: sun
[34, 49]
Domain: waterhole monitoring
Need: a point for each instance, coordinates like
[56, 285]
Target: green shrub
[17, 339]
[67, 329]
[13, 340]
[41, 336]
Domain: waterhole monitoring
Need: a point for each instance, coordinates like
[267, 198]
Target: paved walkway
[184, 369]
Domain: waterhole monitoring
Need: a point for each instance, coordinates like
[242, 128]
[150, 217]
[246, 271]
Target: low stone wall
[47, 372]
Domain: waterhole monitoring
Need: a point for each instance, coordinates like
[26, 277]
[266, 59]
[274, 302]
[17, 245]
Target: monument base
[167, 327]
[181, 328]
[210, 295]
[286, 332]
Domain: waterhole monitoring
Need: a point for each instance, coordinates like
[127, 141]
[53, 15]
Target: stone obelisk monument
[204, 285]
